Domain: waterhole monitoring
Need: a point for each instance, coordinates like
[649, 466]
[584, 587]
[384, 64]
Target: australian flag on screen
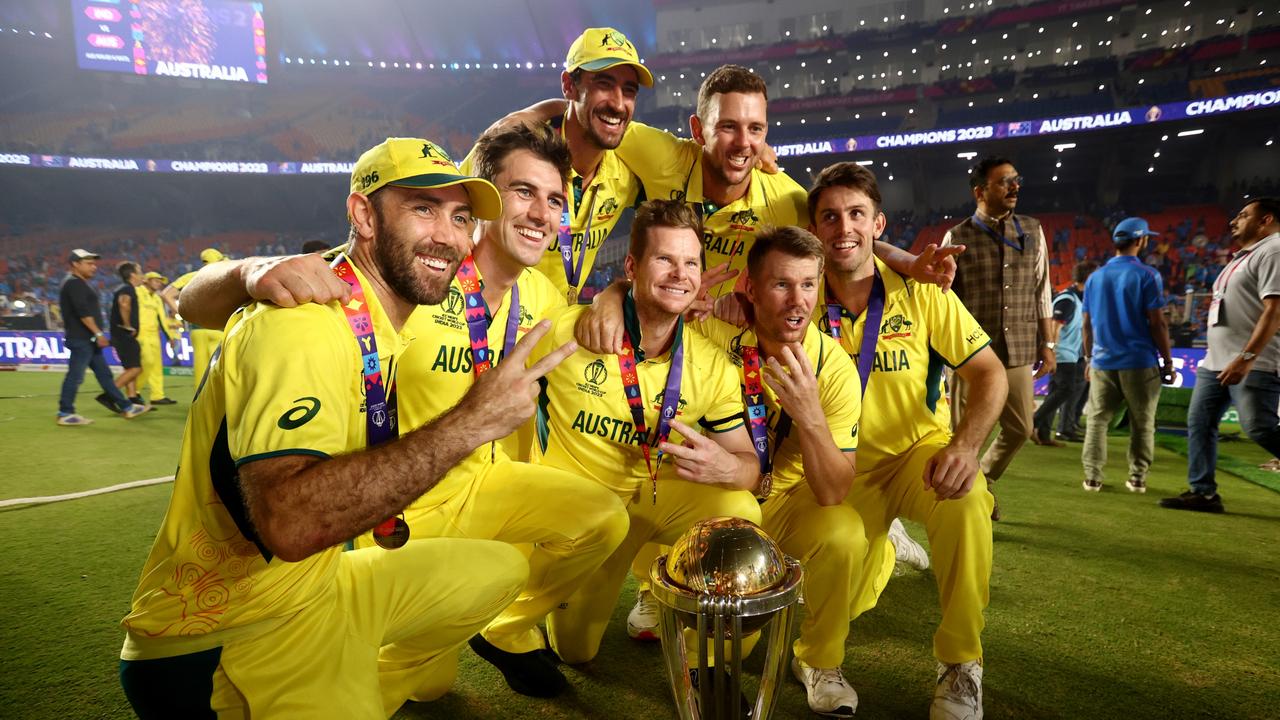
[1025, 127]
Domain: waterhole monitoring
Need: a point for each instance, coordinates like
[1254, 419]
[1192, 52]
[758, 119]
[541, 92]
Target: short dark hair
[1083, 270]
[492, 149]
[787, 239]
[1267, 206]
[978, 173]
[843, 174]
[729, 79]
[126, 270]
[661, 213]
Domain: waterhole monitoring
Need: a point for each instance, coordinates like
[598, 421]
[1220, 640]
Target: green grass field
[1102, 605]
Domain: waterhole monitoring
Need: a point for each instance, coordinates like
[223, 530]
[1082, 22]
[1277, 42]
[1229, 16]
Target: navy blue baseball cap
[1130, 229]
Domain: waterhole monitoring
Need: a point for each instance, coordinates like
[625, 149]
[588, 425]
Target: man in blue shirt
[1067, 382]
[1124, 329]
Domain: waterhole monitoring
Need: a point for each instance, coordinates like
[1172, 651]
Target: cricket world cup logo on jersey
[595, 373]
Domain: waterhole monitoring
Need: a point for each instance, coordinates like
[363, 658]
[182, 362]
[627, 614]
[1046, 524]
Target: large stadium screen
[199, 39]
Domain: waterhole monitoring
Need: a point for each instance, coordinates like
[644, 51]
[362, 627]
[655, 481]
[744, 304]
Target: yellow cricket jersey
[671, 167]
[838, 390]
[922, 328]
[594, 210]
[286, 382]
[588, 427]
[151, 315]
[437, 371]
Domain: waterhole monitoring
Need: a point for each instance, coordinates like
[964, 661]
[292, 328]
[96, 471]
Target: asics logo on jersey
[300, 414]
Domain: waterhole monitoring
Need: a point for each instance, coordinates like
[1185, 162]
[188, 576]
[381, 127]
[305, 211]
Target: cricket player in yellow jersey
[601, 79]
[247, 605]
[572, 523]
[812, 396]
[153, 320]
[203, 340]
[594, 430]
[909, 462]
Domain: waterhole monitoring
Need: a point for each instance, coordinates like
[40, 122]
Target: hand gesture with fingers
[703, 306]
[700, 459]
[506, 396]
[292, 280]
[936, 265]
[795, 384]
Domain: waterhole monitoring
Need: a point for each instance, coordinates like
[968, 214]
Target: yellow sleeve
[724, 391]
[275, 403]
[841, 395]
[661, 160]
[794, 200]
[953, 333]
[182, 281]
[562, 320]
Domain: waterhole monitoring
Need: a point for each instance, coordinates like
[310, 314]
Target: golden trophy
[725, 578]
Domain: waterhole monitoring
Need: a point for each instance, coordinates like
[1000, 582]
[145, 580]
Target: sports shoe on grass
[748, 709]
[907, 551]
[163, 401]
[829, 693]
[1136, 484]
[958, 694]
[134, 411]
[642, 621]
[1191, 500]
[1273, 465]
[72, 420]
[105, 401]
[532, 673]
[1092, 485]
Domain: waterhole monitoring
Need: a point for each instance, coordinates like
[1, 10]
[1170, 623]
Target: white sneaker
[642, 622]
[829, 693]
[958, 694]
[907, 551]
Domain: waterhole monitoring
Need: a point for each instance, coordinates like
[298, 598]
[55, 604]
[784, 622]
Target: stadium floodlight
[1156, 154]
[1189, 133]
[1151, 169]
[1055, 178]
[967, 155]
[1269, 141]
[1063, 146]
[864, 163]
[891, 177]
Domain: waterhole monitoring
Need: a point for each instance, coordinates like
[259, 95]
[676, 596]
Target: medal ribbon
[635, 401]
[870, 331]
[1017, 226]
[380, 409]
[477, 314]
[564, 235]
[758, 414]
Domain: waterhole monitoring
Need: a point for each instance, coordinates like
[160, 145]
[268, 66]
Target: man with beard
[601, 79]
[1003, 279]
[1243, 361]
[607, 418]
[910, 464]
[247, 603]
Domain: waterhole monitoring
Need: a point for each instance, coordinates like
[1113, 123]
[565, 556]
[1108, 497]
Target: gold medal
[572, 296]
[391, 534]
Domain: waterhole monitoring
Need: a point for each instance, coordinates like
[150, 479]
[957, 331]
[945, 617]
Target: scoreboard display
[196, 39]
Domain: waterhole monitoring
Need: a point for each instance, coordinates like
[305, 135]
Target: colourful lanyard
[477, 313]
[1224, 277]
[670, 401]
[380, 407]
[564, 236]
[478, 322]
[870, 331]
[1017, 226]
[758, 418]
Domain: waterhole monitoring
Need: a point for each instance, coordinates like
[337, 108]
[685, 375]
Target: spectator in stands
[1003, 279]
[1243, 361]
[124, 334]
[1124, 329]
[1067, 382]
[85, 341]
